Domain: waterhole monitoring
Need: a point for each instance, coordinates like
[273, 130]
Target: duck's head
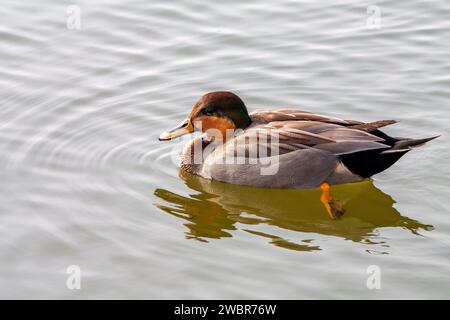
[218, 110]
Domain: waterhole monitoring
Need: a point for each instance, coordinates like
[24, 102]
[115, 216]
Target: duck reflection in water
[217, 209]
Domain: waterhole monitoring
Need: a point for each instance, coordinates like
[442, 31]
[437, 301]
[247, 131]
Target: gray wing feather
[345, 134]
[347, 147]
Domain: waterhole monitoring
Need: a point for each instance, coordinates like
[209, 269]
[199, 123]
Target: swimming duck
[309, 150]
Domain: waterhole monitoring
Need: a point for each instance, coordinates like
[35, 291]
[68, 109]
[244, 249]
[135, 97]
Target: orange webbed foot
[333, 207]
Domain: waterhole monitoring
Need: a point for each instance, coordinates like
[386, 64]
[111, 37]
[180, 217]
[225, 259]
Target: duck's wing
[288, 136]
[310, 129]
[267, 116]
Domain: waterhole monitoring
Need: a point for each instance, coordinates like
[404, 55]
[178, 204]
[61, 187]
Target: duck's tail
[369, 163]
[403, 144]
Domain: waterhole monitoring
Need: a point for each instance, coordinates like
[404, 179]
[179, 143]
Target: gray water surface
[85, 181]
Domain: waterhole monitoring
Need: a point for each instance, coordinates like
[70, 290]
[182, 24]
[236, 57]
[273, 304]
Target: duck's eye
[209, 111]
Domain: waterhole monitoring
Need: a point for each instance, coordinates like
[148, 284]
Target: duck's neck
[191, 158]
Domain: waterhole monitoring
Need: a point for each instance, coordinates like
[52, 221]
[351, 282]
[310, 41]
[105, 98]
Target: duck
[305, 150]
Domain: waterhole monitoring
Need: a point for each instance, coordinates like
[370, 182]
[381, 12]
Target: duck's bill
[185, 127]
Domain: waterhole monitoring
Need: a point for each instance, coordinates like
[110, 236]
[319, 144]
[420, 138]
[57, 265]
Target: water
[85, 182]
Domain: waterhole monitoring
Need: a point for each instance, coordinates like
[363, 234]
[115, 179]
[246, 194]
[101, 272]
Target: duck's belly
[296, 170]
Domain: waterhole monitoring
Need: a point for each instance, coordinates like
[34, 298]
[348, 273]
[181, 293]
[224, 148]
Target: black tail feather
[368, 163]
[411, 143]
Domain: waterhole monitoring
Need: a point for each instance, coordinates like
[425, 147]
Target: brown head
[218, 110]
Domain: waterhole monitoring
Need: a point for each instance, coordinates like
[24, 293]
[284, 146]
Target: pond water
[85, 181]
